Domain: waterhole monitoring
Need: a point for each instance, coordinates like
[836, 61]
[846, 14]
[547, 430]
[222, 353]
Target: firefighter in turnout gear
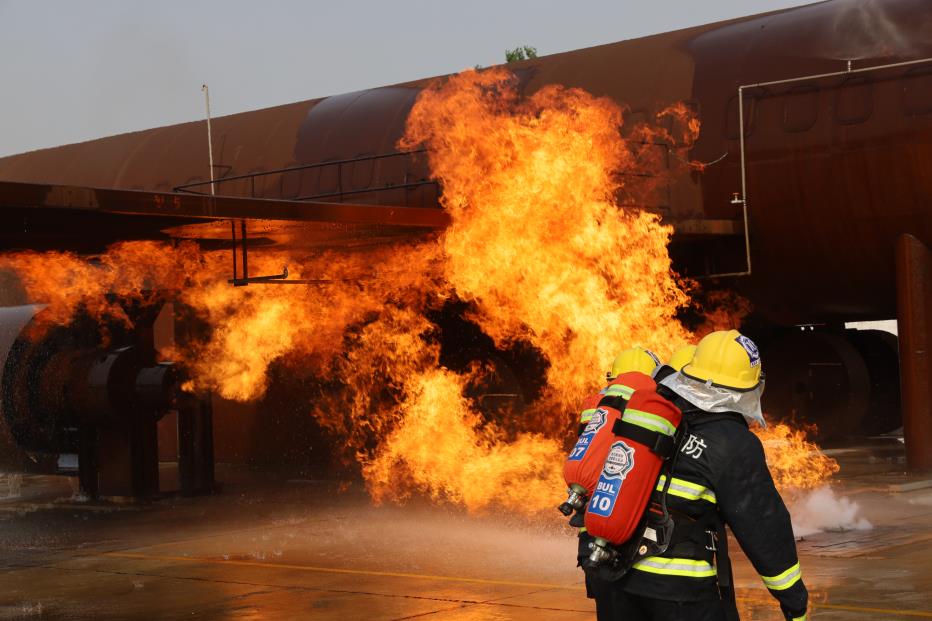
[719, 477]
[631, 371]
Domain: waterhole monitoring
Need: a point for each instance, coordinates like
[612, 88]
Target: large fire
[441, 446]
[539, 246]
[130, 271]
[795, 462]
[540, 251]
[538, 241]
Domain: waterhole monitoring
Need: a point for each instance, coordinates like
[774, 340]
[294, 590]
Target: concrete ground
[298, 550]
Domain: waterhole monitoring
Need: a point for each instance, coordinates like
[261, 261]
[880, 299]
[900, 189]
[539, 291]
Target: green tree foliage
[522, 52]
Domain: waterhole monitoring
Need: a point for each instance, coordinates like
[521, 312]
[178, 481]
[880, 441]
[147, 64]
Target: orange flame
[722, 310]
[135, 272]
[796, 463]
[537, 240]
[540, 246]
[543, 247]
[258, 325]
[442, 447]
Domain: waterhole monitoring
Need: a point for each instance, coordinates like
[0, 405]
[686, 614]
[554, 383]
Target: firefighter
[676, 362]
[631, 370]
[719, 476]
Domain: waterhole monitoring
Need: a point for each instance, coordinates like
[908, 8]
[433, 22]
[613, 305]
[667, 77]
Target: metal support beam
[196, 445]
[196, 473]
[197, 206]
[914, 319]
[88, 462]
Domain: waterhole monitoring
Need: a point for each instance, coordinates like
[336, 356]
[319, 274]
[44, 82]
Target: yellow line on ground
[846, 607]
[332, 570]
[394, 574]
[886, 611]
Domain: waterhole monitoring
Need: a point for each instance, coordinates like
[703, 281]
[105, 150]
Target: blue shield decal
[618, 464]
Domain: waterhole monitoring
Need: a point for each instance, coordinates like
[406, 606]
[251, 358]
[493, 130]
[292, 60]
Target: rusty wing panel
[184, 206]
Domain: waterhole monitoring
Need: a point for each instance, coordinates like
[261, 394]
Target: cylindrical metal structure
[914, 305]
[843, 382]
[13, 320]
[880, 352]
[154, 387]
[57, 382]
[834, 167]
[819, 378]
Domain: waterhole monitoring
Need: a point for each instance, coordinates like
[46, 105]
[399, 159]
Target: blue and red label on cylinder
[618, 464]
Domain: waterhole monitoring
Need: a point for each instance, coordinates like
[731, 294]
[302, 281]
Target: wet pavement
[278, 549]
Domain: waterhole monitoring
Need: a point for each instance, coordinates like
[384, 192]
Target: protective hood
[713, 399]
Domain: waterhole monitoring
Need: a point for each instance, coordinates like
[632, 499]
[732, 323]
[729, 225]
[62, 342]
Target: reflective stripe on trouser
[685, 489]
[586, 415]
[785, 580]
[618, 390]
[687, 567]
[648, 421]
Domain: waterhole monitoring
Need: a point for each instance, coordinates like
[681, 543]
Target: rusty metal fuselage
[837, 167]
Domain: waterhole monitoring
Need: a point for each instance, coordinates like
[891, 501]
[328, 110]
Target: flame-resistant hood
[714, 399]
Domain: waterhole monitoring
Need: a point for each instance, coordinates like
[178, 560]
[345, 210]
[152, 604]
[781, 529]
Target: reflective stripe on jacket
[622, 386]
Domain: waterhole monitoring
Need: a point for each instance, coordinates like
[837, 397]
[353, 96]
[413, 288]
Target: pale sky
[72, 71]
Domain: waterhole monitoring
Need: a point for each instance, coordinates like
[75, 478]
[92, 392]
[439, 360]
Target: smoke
[418, 538]
[10, 485]
[866, 29]
[821, 510]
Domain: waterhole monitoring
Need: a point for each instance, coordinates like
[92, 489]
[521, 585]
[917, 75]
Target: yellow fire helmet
[727, 358]
[681, 357]
[633, 359]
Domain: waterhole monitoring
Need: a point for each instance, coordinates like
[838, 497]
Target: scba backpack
[626, 525]
[583, 465]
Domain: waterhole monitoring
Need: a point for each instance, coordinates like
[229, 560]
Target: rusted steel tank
[836, 167]
[833, 102]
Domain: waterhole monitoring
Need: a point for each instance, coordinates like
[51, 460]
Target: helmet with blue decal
[727, 359]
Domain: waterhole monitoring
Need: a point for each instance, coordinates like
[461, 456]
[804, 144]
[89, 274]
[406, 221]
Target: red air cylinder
[583, 465]
[631, 467]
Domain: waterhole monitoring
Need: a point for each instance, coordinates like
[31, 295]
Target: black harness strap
[616, 402]
[722, 562]
[659, 443]
[726, 588]
[692, 537]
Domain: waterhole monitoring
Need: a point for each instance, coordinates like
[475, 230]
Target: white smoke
[10, 485]
[821, 510]
[866, 29]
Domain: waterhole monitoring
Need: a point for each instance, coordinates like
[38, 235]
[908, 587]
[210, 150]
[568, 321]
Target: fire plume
[549, 247]
[540, 247]
[256, 326]
[129, 272]
[538, 242]
[796, 463]
[442, 447]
